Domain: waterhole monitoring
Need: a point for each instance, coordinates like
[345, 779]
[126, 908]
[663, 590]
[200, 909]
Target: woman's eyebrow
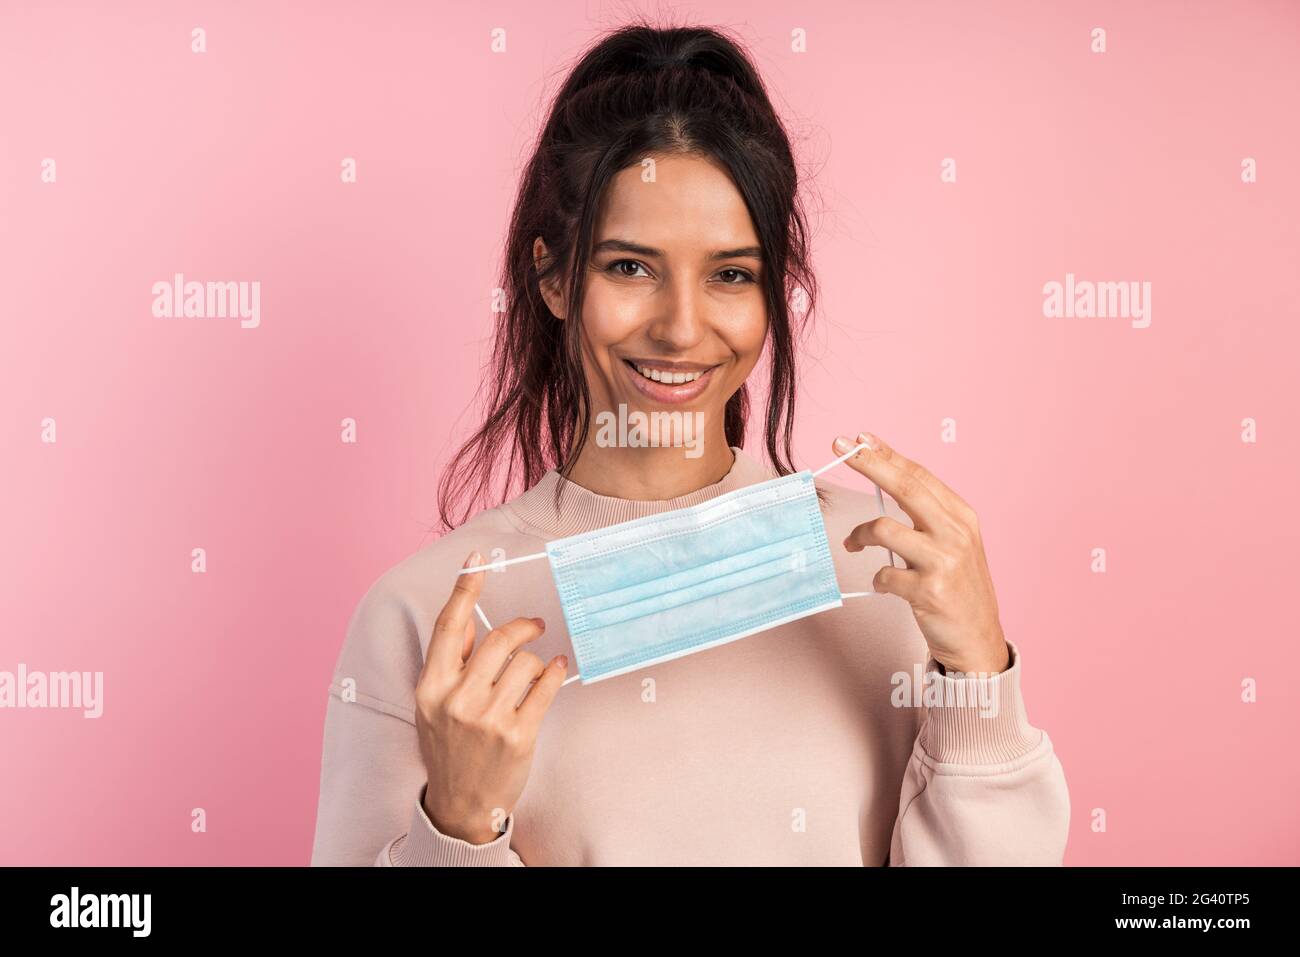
[623, 246]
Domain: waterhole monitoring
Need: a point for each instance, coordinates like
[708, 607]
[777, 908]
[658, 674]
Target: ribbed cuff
[974, 720]
[423, 845]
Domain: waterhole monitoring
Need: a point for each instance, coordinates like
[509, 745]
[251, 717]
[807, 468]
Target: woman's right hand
[476, 735]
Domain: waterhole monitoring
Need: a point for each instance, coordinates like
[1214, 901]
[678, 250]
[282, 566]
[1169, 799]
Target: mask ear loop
[494, 565]
[880, 502]
[488, 625]
[502, 564]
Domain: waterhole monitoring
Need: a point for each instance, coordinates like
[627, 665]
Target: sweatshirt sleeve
[370, 810]
[983, 787]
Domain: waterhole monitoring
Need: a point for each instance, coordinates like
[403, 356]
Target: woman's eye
[626, 268]
[616, 264]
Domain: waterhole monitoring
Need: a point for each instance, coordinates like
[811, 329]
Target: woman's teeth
[668, 378]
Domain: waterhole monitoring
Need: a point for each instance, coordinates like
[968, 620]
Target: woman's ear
[550, 287]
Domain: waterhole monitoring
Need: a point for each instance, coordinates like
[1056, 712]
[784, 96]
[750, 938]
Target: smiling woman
[691, 292]
[662, 207]
[656, 243]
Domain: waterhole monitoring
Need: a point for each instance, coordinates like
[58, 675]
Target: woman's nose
[681, 321]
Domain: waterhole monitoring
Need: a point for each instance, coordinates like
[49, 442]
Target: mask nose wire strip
[880, 500]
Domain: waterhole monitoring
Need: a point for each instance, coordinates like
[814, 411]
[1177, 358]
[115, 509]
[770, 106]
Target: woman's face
[673, 316]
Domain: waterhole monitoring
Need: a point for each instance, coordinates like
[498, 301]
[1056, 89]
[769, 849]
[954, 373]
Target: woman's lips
[669, 394]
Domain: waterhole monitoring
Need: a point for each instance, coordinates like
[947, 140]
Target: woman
[654, 249]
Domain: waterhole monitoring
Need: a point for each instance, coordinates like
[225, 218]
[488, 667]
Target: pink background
[1072, 434]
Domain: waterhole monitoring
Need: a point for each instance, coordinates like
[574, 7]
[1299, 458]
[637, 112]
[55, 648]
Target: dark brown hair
[639, 90]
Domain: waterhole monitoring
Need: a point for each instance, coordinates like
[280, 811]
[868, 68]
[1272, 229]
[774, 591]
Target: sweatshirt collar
[582, 510]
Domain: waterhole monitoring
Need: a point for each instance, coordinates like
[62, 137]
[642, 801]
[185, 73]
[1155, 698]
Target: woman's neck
[651, 473]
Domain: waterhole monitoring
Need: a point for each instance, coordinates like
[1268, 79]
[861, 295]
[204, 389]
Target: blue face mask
[668, 585]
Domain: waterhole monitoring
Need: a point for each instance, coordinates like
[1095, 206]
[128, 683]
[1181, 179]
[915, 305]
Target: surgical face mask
[663, 586]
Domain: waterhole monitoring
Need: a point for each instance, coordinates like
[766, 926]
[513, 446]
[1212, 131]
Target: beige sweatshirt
[812, 743]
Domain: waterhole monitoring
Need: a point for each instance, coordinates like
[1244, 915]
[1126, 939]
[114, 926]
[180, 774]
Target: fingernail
[473, 559]
[564, 661]
[869, 439]
[539, 623]
[842, 444]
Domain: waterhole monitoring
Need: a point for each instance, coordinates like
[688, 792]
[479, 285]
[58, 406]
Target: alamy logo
[102, 910]
[658, 429]
[57, 689]
[931, 690]
[211, 300]
[1084, 299]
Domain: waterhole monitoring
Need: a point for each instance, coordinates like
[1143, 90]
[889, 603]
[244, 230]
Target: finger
[448, 639]
[467, 646]
[903, 582]
[917, 548]
[521, 671]
[955, 504]
[926, 511]
[502, 642]
[533, 708]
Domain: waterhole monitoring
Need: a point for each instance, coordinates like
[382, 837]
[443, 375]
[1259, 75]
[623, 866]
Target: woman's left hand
[947, 579]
